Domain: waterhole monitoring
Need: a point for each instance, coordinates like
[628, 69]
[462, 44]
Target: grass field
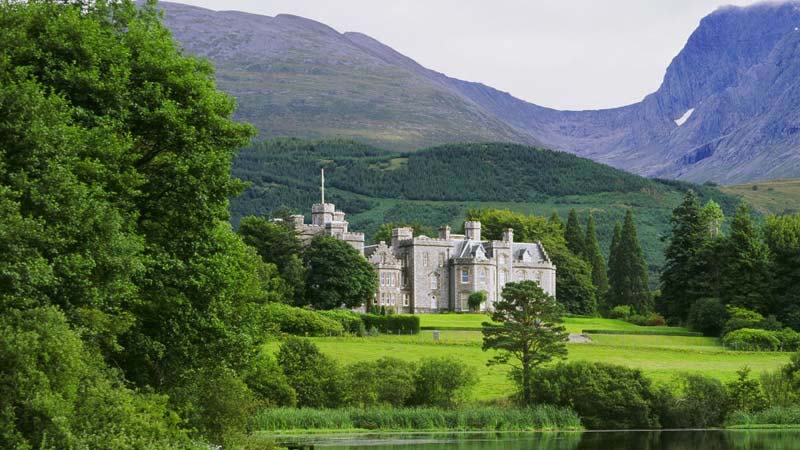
[769, 197]
[660, 357]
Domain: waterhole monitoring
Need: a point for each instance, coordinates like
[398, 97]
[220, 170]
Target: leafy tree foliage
[605, 396]
[277, 244]
[708, 316]
[444, 382]
[337, 274]
[528, 332]
[627, 272]
[317, 379]
[386, 381]
[573, 277]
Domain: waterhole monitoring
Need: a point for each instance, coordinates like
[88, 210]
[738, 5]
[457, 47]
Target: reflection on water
[628, 440]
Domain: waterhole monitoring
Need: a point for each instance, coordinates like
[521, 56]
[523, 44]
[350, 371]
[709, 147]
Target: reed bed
[777, 415]
[484, 418]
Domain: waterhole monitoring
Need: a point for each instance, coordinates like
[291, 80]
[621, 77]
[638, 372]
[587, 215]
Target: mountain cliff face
[727, 110]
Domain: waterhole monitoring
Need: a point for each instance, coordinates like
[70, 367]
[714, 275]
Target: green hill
[769, 197]
[436, 186]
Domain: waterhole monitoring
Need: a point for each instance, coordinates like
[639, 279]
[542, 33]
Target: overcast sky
[565, 54]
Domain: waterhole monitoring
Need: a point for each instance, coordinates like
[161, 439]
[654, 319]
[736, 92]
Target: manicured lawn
[661, 357]
[573, 324]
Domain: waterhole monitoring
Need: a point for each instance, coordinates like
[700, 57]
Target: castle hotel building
[420, 274]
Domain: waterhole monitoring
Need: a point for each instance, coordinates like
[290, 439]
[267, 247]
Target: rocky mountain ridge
[725, 111]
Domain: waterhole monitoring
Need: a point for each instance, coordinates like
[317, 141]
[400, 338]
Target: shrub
[300, 321]
[605, 396]
[442, 382]
[789, 339]
[741, 318]
[693, 401]
[620, 312]
[637, 319]
[745, 393]
[779, 388]
[316, 378]
[386, 381]
[775, 415]
[398, 323]
[216, 401]
[351, 322]
[750, 339]
[266, 379]
[708, 316]
[476, 299]
[656, 320]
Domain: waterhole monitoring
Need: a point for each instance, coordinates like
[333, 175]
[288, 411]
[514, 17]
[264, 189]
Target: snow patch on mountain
[682, 119]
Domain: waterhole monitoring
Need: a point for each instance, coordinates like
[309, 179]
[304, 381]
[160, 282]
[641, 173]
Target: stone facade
[418, 274]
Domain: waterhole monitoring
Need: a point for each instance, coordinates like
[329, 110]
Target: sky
[564, 54]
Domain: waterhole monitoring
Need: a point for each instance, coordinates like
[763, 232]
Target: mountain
[436, 186]
[725, 112]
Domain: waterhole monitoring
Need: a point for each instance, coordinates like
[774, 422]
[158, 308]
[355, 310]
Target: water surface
[616, 440]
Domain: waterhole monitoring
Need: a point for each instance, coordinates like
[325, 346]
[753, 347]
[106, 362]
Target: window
[464, 276]
[383, 298]
[425, 260]
[483, 276]
[434, 281]
[405, 299]
[441, 259]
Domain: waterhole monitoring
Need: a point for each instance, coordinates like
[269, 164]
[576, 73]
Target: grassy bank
[775, 417]
[660, 357]
[489, 418]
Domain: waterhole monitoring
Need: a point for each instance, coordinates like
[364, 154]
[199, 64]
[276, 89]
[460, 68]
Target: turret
[472, 230]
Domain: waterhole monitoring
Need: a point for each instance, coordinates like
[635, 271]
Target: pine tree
[745, 280]
[594, 257]
[614, 267]
[628, 279]
[573, 234]
[683, 278]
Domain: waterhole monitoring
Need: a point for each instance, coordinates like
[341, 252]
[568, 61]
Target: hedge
[751, 339]
[301, 322]
[351, 322]
[396, 323]
[645, 332]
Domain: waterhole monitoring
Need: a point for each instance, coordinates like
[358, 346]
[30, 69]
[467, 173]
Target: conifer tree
[745, 280]
[573, 234]
[683, 278]
[594, 257]
[628, 279]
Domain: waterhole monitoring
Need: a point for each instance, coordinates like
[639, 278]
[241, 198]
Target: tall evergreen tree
[683, 278]
[746, 275]
[573, 234]
[783, 238]
[594, 257]
[628, 280]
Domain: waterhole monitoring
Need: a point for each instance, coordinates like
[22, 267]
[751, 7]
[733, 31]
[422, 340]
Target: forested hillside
[437, 185]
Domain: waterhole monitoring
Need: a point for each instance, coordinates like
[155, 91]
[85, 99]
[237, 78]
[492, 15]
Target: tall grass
[540, 417]
[777, 415]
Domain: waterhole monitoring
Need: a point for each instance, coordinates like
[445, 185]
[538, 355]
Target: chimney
[473, 230]
[508, 235]
[444, 232]
[297, 219]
